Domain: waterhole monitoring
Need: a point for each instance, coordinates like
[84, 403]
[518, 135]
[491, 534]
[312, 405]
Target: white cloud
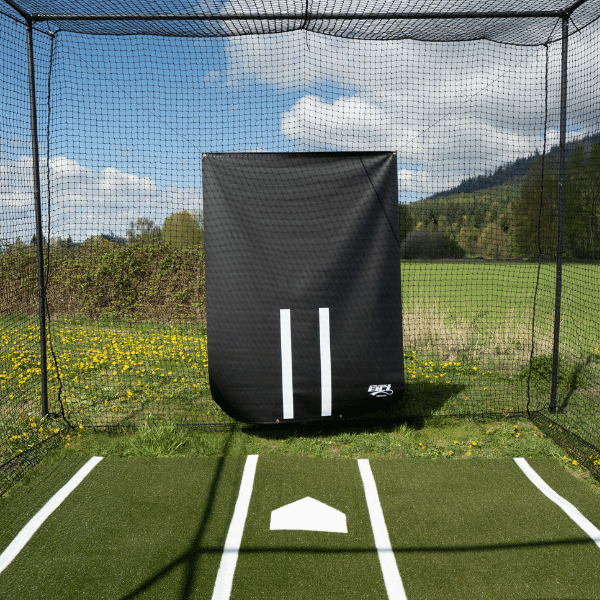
[415, 181]
[349, 123]
[85, 202]
[449, 149]
[78, 185]
[113, 181]
[553, 137]
[16, 183]
[452, 110]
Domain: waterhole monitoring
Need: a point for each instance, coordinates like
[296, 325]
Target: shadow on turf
[190, 558]
[418, 403]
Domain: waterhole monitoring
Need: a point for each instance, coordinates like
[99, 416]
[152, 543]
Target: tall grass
[498, 303]
[430, 327]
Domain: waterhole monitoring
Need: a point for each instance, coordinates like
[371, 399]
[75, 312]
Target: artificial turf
[480, 529]
[25, 500]
[308, 564]
[155, 529]
[137, 528]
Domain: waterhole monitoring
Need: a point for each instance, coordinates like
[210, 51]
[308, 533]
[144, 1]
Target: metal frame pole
[296, 16]
[561, 208]
[38, 218]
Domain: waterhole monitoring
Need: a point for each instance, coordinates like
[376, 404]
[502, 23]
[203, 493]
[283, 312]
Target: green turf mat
[26, 499]
[569, 487]
[480, 529]
[135, 528]
[154, 529]
[308, 564]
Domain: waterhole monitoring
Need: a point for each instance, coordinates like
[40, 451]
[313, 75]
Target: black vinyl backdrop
[303, 283]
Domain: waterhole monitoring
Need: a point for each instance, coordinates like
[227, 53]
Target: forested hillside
[512, 213]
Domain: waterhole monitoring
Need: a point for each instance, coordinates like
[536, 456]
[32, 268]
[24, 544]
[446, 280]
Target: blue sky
[131, 116]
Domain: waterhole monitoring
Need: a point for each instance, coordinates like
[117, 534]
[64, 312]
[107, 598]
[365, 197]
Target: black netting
[126, 107]
[524, 23]
[23, 433]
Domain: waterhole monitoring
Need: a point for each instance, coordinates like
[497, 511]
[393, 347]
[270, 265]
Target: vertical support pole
[38, 218]
[561, 208]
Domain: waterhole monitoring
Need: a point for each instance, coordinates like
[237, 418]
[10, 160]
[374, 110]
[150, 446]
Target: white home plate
[309, 514]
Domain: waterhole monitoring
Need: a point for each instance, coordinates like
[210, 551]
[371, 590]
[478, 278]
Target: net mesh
[125, 109]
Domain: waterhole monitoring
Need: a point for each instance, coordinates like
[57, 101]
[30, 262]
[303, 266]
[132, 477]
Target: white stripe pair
[287, 383]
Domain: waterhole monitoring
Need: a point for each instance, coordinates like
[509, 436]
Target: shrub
[431, 245]
[141, 282]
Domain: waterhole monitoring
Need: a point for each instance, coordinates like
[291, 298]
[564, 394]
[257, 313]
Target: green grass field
[494, 300]
[157, 528]
[467, 335]
[481, 314]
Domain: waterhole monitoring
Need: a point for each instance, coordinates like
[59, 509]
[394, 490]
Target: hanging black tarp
[302, 284]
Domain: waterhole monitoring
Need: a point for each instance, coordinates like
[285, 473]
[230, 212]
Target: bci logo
[380, 390]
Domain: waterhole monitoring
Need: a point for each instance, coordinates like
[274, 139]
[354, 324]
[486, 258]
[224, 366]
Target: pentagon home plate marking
[309, 514]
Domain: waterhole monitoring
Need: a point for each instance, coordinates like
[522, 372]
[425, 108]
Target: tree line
[510, 214]
[181, 229]
[517, 218]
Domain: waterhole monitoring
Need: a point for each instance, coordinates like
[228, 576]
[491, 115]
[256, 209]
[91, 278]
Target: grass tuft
[158, 441]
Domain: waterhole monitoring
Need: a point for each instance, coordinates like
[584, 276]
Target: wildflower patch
[102, 373]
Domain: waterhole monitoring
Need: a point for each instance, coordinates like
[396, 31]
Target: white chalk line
[566, 506]
[38, 519]
[224, 581]
[389, 567]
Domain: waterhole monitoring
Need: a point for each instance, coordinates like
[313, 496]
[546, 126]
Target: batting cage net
[282, 131]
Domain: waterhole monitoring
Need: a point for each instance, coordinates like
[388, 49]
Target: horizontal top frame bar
[301, 16]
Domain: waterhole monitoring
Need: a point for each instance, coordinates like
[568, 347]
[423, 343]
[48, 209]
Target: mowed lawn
[492, 294]
[157, 529]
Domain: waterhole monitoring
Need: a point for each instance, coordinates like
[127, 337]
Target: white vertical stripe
[38, 519]
[324, 339]
[571, 511]
[287, 386]
[224, 581]
[389, 568]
